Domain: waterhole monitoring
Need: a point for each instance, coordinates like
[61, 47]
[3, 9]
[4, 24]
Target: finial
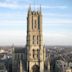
[40, 8]
[29, 10]
[30, 7]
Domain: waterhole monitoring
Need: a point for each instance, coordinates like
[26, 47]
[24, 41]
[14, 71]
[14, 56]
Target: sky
[56, 20]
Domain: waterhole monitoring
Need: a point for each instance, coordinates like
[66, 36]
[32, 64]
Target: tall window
[39, 23]
[33, 38]
[32, 22]
[33, 53]
[35, 24]
[37, 39]
[36, 53]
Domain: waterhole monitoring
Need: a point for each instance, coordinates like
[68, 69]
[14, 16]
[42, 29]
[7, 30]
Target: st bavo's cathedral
[31, 58]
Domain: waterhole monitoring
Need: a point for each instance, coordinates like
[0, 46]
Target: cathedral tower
[35, 48]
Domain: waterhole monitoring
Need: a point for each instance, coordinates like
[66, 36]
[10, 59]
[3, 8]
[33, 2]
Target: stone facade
[68, 70]
[19, 60]
[35, 49]
[32, 57]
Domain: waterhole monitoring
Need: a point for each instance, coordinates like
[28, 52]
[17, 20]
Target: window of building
[37, 39]
[33, 53]
[38, 53]
[35, 23]
[32, 22]
[33, 39]
[39, 23]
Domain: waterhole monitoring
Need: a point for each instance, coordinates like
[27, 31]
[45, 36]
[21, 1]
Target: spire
[40, 8]
[29, 8]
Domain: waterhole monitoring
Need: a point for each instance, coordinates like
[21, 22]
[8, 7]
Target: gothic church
[33, 56]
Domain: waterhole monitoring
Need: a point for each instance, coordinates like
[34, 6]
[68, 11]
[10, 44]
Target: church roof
[19, 50]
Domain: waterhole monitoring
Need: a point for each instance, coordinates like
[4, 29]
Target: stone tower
[35, 48]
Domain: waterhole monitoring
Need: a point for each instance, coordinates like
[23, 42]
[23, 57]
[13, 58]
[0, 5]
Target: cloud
[18, 37]
[8, 37]
[45, 6]
[58, 38]
[57, 21]
[60, 7]
[12, 22]
[57, 14]
[13, 4]
[7, 4]
[16, 5]
[16, 14]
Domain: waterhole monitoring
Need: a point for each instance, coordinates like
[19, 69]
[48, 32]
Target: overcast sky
[57, 21]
